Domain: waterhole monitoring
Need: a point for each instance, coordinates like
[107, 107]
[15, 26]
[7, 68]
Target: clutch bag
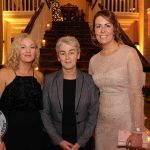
[124, 134]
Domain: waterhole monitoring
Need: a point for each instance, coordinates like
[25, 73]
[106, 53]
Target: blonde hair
[13, 59]
[69, 40]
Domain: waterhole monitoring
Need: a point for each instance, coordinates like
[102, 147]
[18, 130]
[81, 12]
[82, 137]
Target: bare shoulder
[6, 76]
[39, 76]
[6, 73]
[3, 71]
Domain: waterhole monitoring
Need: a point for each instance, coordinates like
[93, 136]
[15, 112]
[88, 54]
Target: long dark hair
[109, 16]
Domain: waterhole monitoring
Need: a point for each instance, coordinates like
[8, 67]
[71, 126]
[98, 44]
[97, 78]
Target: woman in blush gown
[117, 71]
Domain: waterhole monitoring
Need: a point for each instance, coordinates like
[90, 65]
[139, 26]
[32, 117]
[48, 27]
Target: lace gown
[119, 77]
[21, 102]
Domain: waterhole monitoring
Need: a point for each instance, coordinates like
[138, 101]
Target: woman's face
[68, 56]
[27, 51]
[104, 30]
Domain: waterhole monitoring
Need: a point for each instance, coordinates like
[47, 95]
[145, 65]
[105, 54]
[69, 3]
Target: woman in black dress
[21, 96]
[70, 101]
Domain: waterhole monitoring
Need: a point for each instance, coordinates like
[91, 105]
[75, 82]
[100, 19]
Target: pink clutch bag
[124, 134]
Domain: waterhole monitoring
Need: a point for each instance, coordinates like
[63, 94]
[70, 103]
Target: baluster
[33, 4]
[37, 4]
[124, 5]
[7, 5]
[4, 5]
[128, 6]
[16, 5]
[108, 3]
[112, 5]
[131, 6]
[24, 5]
[21, 3]
[29, 5]
[116, 7]
[120, 5]
[104, 2]
[12, 4]
[136, 5]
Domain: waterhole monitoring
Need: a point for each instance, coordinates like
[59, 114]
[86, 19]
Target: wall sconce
[48, 26]
[43, 43]
[37, 68]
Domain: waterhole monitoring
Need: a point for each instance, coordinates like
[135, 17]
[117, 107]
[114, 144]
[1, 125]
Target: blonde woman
[21, 96]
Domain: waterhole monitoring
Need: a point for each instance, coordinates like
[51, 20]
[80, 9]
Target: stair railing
[92, 3]
[127, 41]
[48, 2]
[120, 5]
[30, 25]
[38, 23]
[21, 5]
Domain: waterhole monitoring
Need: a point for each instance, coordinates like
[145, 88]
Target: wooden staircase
[81, 30]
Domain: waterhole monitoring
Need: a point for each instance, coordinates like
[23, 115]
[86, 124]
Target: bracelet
[138, 129]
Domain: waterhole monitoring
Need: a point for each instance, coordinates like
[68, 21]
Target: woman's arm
[3, 76]
[135, 75]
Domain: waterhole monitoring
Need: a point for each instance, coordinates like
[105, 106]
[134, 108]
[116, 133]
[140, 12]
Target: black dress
[20, 103]
[68, 117]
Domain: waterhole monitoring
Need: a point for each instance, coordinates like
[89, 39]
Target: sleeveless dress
[20, 103]
[119, 77]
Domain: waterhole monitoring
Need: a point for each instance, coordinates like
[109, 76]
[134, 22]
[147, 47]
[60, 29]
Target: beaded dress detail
[119, 77]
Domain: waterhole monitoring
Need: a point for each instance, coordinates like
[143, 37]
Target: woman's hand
[135, 140]
[65, 145]
[75, 147]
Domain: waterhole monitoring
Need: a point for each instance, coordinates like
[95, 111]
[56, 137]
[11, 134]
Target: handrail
[94, 4]
[30, 25]
[48, 2]
[127, 41]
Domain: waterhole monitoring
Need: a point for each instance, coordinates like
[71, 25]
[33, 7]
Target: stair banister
[38, 23]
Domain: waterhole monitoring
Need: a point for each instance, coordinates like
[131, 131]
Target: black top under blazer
[86, 106]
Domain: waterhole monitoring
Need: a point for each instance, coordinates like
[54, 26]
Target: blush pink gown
[119, 77]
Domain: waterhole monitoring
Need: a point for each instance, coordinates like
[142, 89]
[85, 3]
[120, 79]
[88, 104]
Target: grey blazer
[86, 106]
